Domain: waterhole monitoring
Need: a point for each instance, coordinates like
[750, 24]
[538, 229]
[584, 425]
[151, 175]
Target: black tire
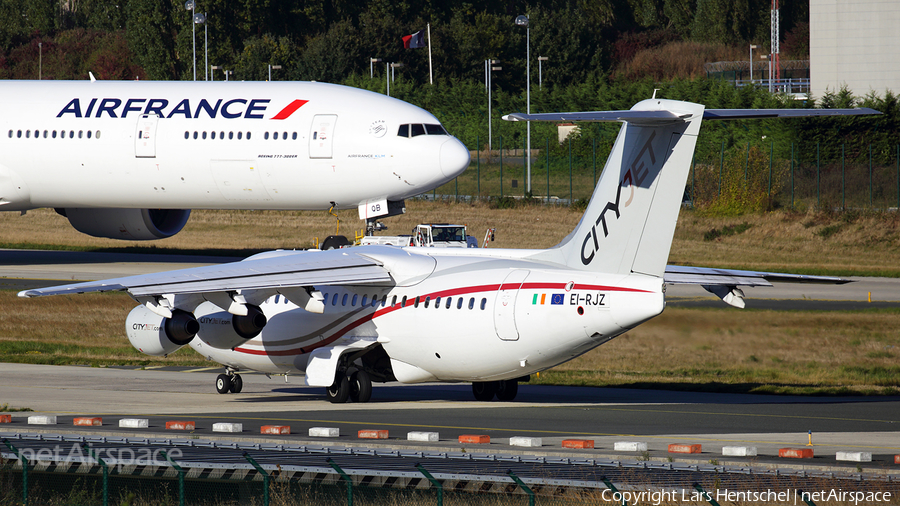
[507, 390]
[223, 383]
[360, 386]
[340, 390]
[484, 390]
[334, 242]
[237, 384]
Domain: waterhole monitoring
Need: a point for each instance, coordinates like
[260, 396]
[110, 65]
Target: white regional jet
[348, 317]
[129, 159]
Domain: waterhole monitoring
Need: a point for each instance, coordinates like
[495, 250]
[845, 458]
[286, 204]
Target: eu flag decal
[557, 299]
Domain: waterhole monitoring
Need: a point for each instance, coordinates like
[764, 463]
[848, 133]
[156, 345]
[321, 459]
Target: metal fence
[785, 174]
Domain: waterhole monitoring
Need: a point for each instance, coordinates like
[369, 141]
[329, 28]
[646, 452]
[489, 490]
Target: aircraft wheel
[223, 383]
[360, 386]
[237, 384]
[335, 242]
[507, 390]
[340, 390]
[484, 390]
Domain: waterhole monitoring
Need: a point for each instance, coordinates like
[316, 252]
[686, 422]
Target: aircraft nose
[454, 157]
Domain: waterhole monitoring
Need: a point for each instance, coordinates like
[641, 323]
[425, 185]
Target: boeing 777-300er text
[349, 317]
[130, 159]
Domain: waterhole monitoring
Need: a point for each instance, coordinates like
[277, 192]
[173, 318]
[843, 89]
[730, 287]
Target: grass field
[712, 349]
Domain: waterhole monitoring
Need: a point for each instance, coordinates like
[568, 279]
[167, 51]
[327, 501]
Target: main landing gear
[230, 382]
[505, 390]
[357, 386]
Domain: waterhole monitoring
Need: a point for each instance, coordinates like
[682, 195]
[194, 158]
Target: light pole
[540, 76]
[200, 19]
[752, 47]
[213, 68]
[523, 21]
[228, 73]
[372, 62]
[489, 68]
[189, 5]
[40, 60]
[276, 67]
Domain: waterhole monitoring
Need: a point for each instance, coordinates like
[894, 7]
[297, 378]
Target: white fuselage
[478, 317]
[222, 145]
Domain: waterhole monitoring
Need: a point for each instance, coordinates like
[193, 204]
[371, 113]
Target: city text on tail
[350, 317]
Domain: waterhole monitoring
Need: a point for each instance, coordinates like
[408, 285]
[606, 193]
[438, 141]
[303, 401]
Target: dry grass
[681, 59]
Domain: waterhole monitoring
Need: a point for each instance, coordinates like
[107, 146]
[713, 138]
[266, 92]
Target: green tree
[150, 35]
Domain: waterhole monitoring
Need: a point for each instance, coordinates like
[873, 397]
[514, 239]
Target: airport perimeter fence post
[181, 473]
[747, 165]
[523, 486]
[437, 484]
[871, 200]
[24, 462]
[792, 176]
[478, 164]
[612, 487]
[706, 495]
[548, 168]
[771, 154]
[525, 167]
[344, 477]
[819, 178]
[594, 160]
[570, 171]
[897, 162]
[843, 193]
[265, 475]
[90, 452]
[721, 166]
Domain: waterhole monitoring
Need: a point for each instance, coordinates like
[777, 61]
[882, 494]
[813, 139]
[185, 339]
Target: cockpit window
[435, 130]
[404, 131]
[417, 130]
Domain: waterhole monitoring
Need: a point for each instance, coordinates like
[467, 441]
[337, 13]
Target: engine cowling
[223, 330]
[127, 224]
[154, 335]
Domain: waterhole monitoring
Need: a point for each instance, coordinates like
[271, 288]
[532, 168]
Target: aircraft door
[145, 136]
[322, 135]
[505, 305]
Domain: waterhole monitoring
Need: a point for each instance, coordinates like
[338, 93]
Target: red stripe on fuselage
[410, 301]
[290, 109]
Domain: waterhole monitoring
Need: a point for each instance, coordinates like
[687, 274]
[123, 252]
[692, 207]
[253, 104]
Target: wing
[724, 283]
[669, 117]
[233, 285]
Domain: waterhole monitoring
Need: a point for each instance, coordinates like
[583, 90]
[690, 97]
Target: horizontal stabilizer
[711, 114]
[678, 274]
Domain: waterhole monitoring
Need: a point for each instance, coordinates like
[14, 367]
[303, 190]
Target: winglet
[93, 79]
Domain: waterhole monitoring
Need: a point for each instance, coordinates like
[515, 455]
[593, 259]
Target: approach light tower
[775, 59]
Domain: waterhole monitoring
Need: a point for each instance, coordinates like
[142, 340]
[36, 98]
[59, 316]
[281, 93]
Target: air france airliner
[130, 159]
[350, 317]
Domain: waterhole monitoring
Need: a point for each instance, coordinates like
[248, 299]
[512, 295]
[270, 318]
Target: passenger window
[45, 134]
[19, 134]
[284, 136]
[294, 136]
[248, 136]
[97, 135]
[365, 300]
[417, 130]
[239, 135]
[266, 136]
[427, 300]
[71, 134]
[384, 300]
[471, 302]
[203, 135]
[394, 300]
[416, 304]
[459, 303]
[88, 133]
[276, 298]
[54, 134]
[187, 135]
[403, 302]
[27, 134]
[334, 300]
[344, 300]
[437, 303]
[449, 302]
[195, 135]
[230, 135]
[79, 134]
[353, 302]
[221, 135]
[483, 304]
[403, 131]
[435, 130]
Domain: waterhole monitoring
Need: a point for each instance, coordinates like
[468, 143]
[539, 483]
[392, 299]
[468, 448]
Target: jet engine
[223, 330]
[155, 335]
[127, 224]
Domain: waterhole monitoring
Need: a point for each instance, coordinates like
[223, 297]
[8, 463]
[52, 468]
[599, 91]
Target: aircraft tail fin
[630, 221]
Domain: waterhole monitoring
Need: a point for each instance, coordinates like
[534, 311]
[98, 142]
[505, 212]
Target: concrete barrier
[372, 434]
[580, 444]
[683, 448]
[42, 420]
[5, 418]
[428, 437]
[796, 453]
[630, 446]
[84, 421]
[526, 441]
[475, 439]
[180, 425]
[739, 451]
[324, 432]
[275, 429]
[134, 423]
[228, 427]
[854, 456]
